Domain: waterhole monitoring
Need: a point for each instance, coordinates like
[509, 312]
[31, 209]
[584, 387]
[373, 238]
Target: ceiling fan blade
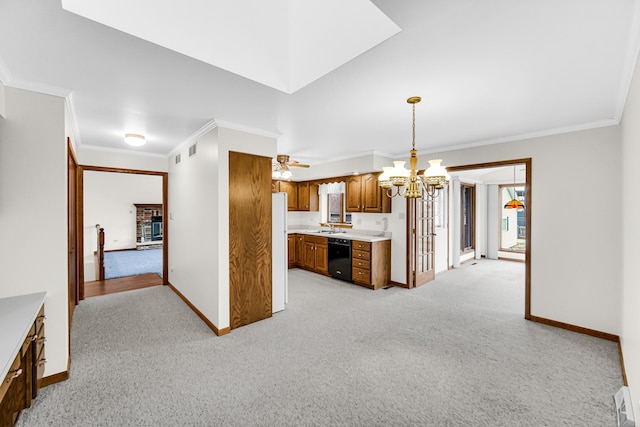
[296, 164]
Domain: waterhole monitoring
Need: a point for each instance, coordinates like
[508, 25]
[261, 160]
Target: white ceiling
[488, 71]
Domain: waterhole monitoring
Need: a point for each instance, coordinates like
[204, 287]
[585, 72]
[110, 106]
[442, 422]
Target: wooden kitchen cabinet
[299, 250]
[291, 249]
[291, 188]
[316, 254]
[371, 263]
[21, 383]
[308, 199]
[363, 194]
[301, 196]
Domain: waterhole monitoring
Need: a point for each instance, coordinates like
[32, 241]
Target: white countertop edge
[17, 315]
[348, 236]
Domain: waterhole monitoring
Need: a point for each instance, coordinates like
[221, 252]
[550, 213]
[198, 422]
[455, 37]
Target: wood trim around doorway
[528, 190]
[165, 210]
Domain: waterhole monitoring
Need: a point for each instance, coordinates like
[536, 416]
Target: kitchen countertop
[341, 235]
[17, 315]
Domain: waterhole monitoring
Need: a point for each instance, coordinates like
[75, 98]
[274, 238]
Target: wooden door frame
[165, 214]
[74, 207]
[528, 190]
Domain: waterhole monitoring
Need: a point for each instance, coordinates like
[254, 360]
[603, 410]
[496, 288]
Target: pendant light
[514, 203]
[399, 181]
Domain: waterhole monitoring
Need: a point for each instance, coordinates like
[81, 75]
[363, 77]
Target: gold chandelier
[398, 181]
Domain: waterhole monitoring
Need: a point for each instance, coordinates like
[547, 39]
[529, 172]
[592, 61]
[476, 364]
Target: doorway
[524, 233]
[124, 283]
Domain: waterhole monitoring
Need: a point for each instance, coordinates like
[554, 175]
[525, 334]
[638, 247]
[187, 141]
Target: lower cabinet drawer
[361, 263]
[361, 275]
[357, 254]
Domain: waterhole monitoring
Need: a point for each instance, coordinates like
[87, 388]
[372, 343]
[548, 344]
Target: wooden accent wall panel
[250, 252]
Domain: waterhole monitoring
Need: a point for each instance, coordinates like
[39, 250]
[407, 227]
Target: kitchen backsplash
[360, 221]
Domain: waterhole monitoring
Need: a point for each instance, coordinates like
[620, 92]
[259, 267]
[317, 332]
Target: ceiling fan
[282, 164]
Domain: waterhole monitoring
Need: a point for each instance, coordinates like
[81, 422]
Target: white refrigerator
[280, 254]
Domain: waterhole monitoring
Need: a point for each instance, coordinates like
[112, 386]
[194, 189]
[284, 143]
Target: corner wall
[33, 210]
[199, 219]
[630, 299]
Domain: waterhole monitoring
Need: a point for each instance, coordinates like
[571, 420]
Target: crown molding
[248, 129]
[522, 137]
[40, 88]
[71, 114]
[210, 125]
[121, 151]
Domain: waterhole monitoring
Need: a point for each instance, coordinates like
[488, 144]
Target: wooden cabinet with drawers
[22, 381]
[371, 263]
[37, 349]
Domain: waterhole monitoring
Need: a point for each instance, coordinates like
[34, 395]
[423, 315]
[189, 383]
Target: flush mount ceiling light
[408, 183]
[134, 139]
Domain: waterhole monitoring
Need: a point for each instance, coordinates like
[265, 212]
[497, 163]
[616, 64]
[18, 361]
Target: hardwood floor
[121, 284]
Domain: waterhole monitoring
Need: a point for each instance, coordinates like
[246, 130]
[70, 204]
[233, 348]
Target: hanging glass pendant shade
[400, 181]
[514, 203]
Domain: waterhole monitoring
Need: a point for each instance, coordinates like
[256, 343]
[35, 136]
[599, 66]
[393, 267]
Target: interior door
[421, 241]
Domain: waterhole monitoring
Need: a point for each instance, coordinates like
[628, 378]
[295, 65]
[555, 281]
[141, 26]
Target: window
[440, 209]
[513, 221]
[467, 214]
[334, 207]
[332, 202]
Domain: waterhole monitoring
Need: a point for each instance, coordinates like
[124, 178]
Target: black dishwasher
[340, 258]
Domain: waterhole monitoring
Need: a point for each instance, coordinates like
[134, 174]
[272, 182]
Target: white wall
[3, 104]
[199, 219]
[109, 201]
[630, 299]
[33, 210]
[583, 287]
[121, 159]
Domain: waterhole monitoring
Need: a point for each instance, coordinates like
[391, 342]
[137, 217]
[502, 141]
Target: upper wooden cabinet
[308, 196]
[363, 194]
[291, 188]
[301, 196]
